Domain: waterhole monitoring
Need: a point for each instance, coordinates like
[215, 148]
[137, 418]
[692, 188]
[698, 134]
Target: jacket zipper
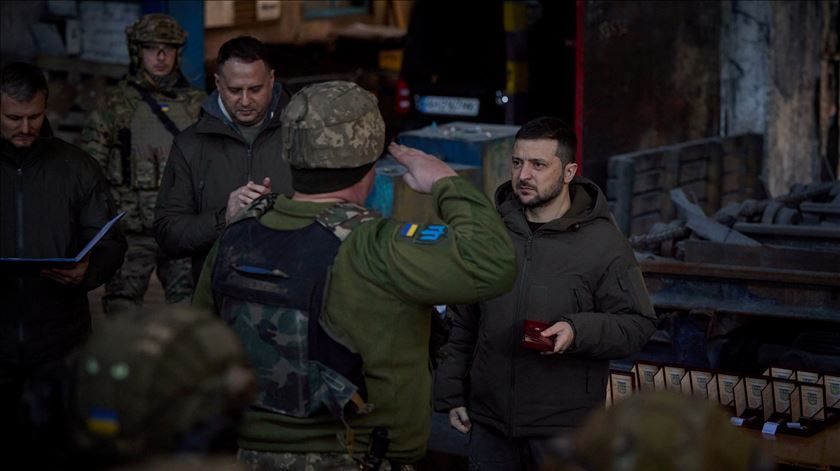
[19, 209]
[516, 318]
[250, 164]
[19, 237]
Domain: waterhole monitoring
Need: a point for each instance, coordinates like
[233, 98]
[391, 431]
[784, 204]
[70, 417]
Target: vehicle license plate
[454, 106]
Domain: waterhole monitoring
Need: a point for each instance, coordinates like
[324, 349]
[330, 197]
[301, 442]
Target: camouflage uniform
[382, 284]
[256, 460]
[132, 145]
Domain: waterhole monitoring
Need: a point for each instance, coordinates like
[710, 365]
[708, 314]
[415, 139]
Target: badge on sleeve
[428, 234]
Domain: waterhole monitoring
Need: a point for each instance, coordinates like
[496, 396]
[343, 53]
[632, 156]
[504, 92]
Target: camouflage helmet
[156, 28]
[332, 125]
[659, 431]
[149, 382]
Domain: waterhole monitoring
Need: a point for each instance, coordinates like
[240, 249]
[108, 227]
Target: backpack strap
[165, 120]
[342, 218]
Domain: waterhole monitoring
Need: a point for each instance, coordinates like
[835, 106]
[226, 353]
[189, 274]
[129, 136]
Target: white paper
[769, 428]
[736, 421]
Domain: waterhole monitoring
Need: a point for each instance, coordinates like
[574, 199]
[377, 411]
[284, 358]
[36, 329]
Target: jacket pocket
[556, 297]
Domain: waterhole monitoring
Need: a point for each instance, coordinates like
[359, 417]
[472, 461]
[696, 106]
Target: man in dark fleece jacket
[226, 160]
[53, 200]
[577, 273]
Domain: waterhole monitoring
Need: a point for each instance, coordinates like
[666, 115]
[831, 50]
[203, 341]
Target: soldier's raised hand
[423, 169]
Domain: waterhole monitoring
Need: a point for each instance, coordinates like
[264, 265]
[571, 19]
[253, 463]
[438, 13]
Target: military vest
[270, 287]
[150, 141]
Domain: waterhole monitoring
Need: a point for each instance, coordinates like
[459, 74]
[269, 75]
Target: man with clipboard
[54, 201]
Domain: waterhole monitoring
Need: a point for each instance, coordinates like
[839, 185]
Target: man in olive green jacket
[380, 285]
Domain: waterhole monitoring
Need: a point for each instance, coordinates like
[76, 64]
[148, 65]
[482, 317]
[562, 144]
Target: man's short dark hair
[244, 48]
[21, 81]
[555, 129]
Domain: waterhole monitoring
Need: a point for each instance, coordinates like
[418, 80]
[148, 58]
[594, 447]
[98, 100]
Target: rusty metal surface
[763, 256]
[751, 291]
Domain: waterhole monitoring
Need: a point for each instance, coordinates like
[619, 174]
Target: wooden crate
[713, 172]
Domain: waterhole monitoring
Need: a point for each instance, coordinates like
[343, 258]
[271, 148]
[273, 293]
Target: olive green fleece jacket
[379, 299]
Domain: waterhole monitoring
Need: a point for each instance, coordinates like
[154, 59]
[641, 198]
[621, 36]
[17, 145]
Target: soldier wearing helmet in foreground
[658, 431]
[158, 390]
[130, 134]
[333, 301]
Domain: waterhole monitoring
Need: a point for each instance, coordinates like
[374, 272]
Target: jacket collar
[588, 204]
[215, 119]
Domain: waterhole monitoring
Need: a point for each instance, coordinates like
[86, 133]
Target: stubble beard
[540, 199]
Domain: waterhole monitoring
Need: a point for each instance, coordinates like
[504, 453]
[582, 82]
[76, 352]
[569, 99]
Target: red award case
[532, 339]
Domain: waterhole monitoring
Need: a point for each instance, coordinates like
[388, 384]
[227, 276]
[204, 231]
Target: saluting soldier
[334, 302]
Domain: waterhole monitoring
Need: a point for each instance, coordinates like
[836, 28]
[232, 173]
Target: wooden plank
[694, 150]
[695, 190]
[621, 191]
[642, 161]
[732, 182]
[695, 170]
[647, 181]
[713, 176]
[648, 202]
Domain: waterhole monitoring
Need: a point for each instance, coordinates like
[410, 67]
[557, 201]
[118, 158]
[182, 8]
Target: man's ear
[569, 172]
[271, 76]
[216, 76]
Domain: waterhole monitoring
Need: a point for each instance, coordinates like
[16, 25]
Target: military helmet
[156, 28]
[152, 381]
[332, 125]
[659, 430]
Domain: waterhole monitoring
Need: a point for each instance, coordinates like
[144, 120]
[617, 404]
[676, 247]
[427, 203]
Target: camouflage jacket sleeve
[468, 258]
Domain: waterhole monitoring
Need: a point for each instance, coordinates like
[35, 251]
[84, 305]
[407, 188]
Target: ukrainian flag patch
[408, 230]
[429, 234]
[103, 422]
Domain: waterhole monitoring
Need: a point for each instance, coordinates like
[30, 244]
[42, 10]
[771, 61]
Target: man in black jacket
[230, 157]
[578, 275]
[54, 200]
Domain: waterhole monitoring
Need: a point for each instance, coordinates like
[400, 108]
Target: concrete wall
[744, 62]
[792, 131]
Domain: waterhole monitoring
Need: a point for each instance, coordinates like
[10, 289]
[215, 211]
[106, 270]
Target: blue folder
[24, 263]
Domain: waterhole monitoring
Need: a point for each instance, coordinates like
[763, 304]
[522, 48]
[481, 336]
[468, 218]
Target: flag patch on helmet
[429, 234]
[103, 422]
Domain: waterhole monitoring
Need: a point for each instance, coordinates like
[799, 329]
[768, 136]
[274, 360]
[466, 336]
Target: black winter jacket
[208, 160]
[54, 200]
[579, 269]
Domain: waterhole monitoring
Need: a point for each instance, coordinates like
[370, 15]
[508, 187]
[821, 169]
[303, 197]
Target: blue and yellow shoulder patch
[104, 422]
[428, 234]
